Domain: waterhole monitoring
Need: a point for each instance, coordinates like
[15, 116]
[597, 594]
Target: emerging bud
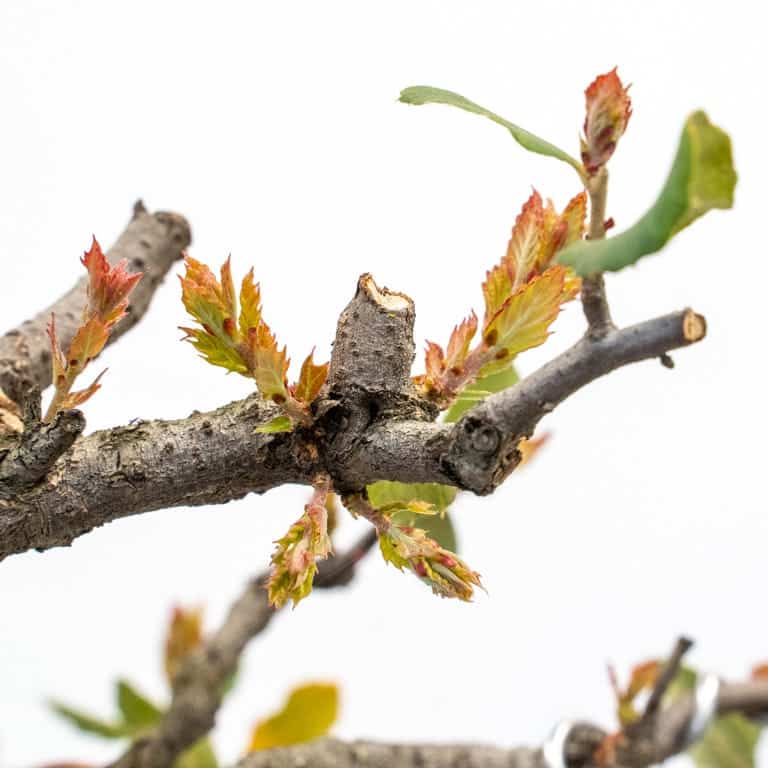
[294, 559]
[443, 571]
[185, 634]
[608, 111]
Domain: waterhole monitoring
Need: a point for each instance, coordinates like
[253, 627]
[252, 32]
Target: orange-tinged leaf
[524, 319]
[250, 304]
[529, 447]
[560, 231]
[228, 290]
[87, 343]
[524, 244]
[184, 635]
[608, 111]
[270, 365]
[77, 398]
[58, 360]
[203, 298]
[574, 216]
[458, 344]
[760, 672]
[311, 379]
[434, 361]
[496, 290]
[308, 714]
[108, 287]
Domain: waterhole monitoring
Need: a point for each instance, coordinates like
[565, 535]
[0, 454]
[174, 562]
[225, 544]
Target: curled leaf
[608, 111]
[702, 178]
[311, 379]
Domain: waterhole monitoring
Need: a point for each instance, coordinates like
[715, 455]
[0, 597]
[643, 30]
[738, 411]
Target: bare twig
[199, 684]
[665, 678]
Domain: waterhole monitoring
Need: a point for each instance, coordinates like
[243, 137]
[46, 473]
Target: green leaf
[729, 742]
[479, 390]
[90, 724]
[438, 527]
[425, 94]
[702, 178]
[278, 424]
[138, 712]
[199, 755]
[308, 714]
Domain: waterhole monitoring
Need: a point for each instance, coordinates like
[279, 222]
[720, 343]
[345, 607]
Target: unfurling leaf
[295, 558]
[524, 319]
[90, 724]
[87, 344]
[424, 94]
[311, 379]
[308, 714]
[270, 365]
[139, 713]
[608, 111]
[729, 742]
[77, 398]
[529, 447]
[184, 635]
[108, 287]
[386, 495]
[702, 178]
[278, 424]
[440, 569]
[476, 392]
[642, 678]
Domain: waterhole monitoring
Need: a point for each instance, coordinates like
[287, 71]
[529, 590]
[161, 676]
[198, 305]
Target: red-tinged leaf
[77, 398]
[250, 304]
[311, 379]
[525, 242]
[608, 112]
[58, 361]
[496, 290]
[575, 216]
[560, 231]
[524, 319]
[228, 295]
[270, 365]
[88, 342]
[108, 287]
[458, 344]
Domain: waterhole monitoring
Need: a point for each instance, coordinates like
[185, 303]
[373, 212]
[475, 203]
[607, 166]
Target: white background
[275, 128]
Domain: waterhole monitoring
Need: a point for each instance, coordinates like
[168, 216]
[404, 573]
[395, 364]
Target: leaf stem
[593, 298]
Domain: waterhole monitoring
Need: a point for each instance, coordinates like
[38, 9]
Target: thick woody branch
[362, 433]
[199, 685]
[207, 458]
[669, 738]
[151, 243]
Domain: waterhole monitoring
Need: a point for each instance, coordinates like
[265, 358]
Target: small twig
[198, 685]
[593, 298]
[665, 678]
[339, 570]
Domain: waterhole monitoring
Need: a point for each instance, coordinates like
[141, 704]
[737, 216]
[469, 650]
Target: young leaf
[702, 178]
[729, 742]
[476, 392]
[90, 724]
[311, 379]
[278, 424]
[424, 94]
[308, 714]
[213, 351]
[87, 344]
[524, 319]
[139, 713]
[250, 304]
[108, 287]
[295, 557]
[608, 111]
[199, 755]
[184, 635]
[270, 365]
[439, 568]
[77, 398]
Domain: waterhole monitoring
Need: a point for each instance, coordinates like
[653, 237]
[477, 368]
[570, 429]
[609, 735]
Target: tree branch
[361, 434]
[199, 685]
[151, 242]
[669, 738]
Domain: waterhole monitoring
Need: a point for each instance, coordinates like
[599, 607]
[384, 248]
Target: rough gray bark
[151, 243]
[377, 430]
[198, 687]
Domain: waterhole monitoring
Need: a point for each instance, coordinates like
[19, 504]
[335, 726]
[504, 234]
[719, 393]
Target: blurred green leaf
[90, 724]
[479, 390]
[199, 755]
[138, 712]
[425, 94]
[308, 714]
[702, 178]
[729, 742]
